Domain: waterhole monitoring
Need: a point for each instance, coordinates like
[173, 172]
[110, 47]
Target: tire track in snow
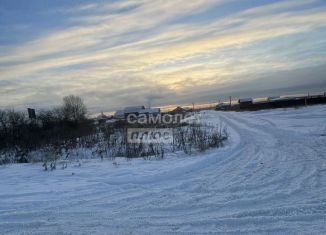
[268, 180]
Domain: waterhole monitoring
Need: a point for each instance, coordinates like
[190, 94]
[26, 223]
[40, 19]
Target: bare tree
[74, 108]
[3, 120]
[16, 119]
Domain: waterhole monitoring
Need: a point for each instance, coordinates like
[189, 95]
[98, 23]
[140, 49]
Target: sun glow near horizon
[116, 53]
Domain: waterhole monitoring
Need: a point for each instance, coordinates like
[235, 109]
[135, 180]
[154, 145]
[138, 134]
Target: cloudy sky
[158, 52]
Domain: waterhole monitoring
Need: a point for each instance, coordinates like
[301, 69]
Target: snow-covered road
[270, 178]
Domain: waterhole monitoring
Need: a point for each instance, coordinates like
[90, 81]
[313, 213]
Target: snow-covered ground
[269, 178]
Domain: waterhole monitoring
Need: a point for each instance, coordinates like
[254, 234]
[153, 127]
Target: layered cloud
[160, 52]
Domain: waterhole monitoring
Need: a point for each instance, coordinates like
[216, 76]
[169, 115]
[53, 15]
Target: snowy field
[269, 178]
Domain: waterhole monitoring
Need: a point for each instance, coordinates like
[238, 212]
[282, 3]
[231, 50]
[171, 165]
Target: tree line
[53, 127]
[65, 132]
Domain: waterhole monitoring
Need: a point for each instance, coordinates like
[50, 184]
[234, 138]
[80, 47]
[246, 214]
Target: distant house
[178, 110]
[102, 118]
[150, 111]
[272, 98]
[222, 106]
[120, 114]
[133, 110]
[245, 101]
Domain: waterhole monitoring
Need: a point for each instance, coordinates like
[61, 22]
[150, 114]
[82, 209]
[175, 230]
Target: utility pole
[230, 101]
